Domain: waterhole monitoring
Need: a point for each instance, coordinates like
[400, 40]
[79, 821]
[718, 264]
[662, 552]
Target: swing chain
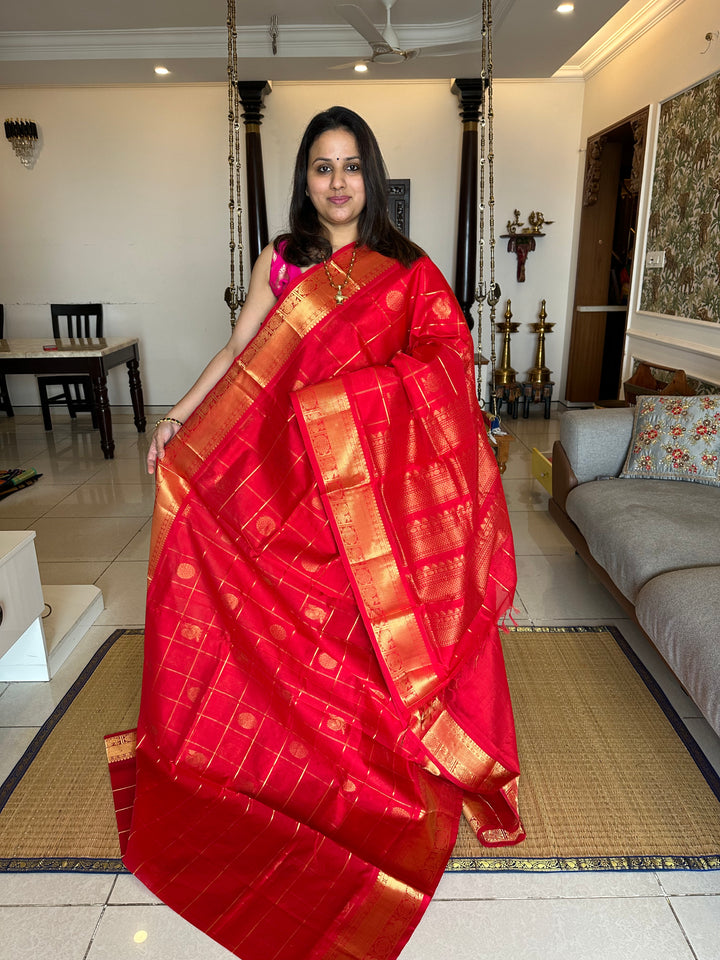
[234, 295]
[488, 290]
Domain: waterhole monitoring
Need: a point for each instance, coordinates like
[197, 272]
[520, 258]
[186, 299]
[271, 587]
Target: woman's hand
[164, 431]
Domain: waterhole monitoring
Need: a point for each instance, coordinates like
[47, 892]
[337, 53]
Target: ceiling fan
[385, 46]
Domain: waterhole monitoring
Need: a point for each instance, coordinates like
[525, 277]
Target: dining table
[86, 356]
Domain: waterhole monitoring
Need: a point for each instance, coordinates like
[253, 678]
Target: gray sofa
[655, 544]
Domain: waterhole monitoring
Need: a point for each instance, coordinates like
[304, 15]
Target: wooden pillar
[251, 94]
[470, 94]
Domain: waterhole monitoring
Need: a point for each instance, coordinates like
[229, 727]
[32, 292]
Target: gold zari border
[121, 746]
[384, 915]
[504, 864]
[335, 441]
[306, 305]
[463, 758]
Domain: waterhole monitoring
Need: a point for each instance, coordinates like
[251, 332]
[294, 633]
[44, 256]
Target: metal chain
[481, 291]
[487, 291]
[493, 294]
[234, 295]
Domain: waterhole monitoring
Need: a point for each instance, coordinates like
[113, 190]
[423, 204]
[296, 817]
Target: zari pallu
[324, 689]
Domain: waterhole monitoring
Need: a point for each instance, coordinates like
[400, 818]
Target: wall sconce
[710, 36]
[23, 135]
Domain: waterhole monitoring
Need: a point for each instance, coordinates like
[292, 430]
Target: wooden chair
[5, 403]
[73, 320]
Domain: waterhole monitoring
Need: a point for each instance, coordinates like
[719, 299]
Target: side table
[510, 393]
[502, 450]
[537, 393]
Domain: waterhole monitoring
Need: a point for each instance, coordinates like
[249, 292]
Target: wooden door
[614, 167]
[597, 225]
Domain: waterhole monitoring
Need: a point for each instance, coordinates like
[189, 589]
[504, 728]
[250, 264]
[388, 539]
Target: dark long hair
[307, 241]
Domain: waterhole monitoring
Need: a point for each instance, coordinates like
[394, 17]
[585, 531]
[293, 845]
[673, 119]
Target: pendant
[339, 298]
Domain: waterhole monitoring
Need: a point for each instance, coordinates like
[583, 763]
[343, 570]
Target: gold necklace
[339, 298]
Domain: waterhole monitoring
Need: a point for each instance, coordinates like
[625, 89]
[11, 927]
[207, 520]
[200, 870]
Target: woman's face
[335, 182]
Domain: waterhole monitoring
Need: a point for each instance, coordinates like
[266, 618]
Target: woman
[324, 690]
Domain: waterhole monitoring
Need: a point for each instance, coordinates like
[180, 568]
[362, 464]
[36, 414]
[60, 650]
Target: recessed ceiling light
[566, 8]
[360, 68]
[162, 71]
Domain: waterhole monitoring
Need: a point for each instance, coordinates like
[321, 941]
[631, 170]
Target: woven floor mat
[611, 779]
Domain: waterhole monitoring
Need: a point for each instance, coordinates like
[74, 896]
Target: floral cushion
[675, 438]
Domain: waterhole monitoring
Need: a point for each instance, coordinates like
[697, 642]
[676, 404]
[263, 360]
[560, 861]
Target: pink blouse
[281, 272]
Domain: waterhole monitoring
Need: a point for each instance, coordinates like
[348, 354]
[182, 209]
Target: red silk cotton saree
[324, 690]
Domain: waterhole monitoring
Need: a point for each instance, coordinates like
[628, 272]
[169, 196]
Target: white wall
[537, 130]
[671, 57]
[668, 58]
[418, 129]
[127, 205]
[417, 125]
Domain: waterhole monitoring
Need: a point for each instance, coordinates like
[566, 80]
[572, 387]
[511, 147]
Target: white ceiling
[62, 42]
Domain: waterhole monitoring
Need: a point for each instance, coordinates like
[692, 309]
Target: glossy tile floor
[92, 523]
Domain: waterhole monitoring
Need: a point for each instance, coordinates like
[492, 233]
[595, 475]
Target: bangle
[168, 420]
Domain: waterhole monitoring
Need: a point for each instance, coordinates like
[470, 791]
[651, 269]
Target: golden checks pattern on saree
[324, 690]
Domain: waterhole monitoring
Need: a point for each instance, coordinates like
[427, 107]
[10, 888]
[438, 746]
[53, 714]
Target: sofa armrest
[596, 441]
[563, 477]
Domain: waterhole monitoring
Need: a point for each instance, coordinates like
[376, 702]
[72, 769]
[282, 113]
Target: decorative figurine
[521, 239]
[521, 244]
[513, 225]
[536, 221]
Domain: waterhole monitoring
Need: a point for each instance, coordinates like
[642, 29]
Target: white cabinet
[21, 596]
[32, 648]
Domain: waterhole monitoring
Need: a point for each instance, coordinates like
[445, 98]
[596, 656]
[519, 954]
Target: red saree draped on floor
[324, 688]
